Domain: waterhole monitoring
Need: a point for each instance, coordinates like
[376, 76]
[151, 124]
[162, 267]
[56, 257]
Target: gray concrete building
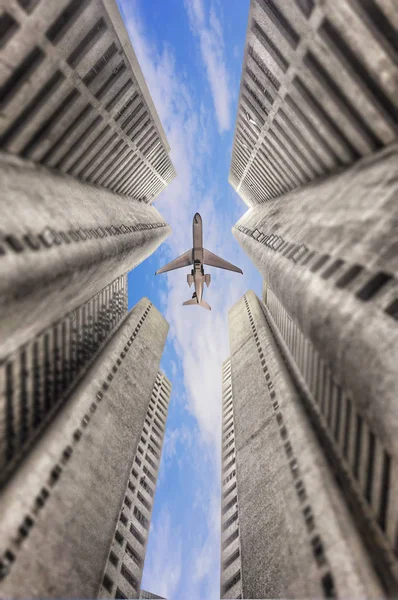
[287, 531]
[82, 156]
[74, 516]
[124, 567]
[74, 97]
[331, 273]
[318, 92]
[315, 158]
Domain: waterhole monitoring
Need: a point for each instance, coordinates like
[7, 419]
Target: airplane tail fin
[194, 301]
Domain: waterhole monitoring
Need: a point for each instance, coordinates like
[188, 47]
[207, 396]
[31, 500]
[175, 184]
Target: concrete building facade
[287, 531]
[83, 155]
[125, 564]
[315, 158]
[62, 506]
[331, 275]
[74, 97]
[318, 92]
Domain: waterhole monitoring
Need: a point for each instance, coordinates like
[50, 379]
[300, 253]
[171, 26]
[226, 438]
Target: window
[131, 487]
[119, 595]
[231, 582]
[158, 425]
[129, 577]
[151, 477]
[146, 487]
[150, 461]
[230, 453]
[229, 465]
[229, 521]
[133, 555]
[143, 501]
[123, 519]
[141, 518]
[229, 490]
[358, 440]
[230, 539]
[134, 473]
[119, 538]
[107, 583]
[154, 442]
[229, 477]
[371, 457]
[317, 548]
[231, 559]
[152, 449]
[113, 559]
[140, 450]
[137, 460]
[385, 489]
[137, 535]
[309, 518]
[229, 505]
[127, 502]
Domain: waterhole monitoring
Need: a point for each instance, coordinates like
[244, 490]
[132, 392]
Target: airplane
[197, 257]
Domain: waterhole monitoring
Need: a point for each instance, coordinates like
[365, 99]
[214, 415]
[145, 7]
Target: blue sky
[191, 55]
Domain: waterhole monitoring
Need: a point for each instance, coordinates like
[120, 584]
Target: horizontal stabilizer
[185, 260]
[194, 301]
[212, 260]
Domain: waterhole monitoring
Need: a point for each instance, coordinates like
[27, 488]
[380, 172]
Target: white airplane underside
[197, 257]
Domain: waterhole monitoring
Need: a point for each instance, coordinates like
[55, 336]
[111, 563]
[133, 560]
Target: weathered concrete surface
[352, 216]
[137, 495]
[38, 287]
[74, 97]
[276, 545]
[65, 552]
[318, 92]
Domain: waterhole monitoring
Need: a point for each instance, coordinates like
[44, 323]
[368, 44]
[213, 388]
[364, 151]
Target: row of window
[317, 546]
[353, 437]
[227, 585]
[316, 262]
[42, 372]
[8, 558]
[135, 513]
[50, 237]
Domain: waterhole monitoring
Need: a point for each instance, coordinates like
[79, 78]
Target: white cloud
[211, 43]
[200, 338]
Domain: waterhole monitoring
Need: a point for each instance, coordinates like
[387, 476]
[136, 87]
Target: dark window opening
[373, 286]
[349, 276]
[107, 583]
[369, 475]
[358, 440]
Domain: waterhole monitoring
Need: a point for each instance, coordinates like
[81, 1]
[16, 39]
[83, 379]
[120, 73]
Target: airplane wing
[185, 260]
[212, 260]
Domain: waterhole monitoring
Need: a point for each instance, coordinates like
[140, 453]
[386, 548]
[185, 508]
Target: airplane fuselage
[197, 272]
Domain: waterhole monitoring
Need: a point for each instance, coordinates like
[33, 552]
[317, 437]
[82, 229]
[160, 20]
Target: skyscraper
[314, 158]
[74, 97]
[318, 92]
[286, 529]
[83, 156]
[91, 476]
[123, 572]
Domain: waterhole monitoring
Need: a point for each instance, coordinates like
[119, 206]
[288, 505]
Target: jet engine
[207, 280]
[190, 280]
